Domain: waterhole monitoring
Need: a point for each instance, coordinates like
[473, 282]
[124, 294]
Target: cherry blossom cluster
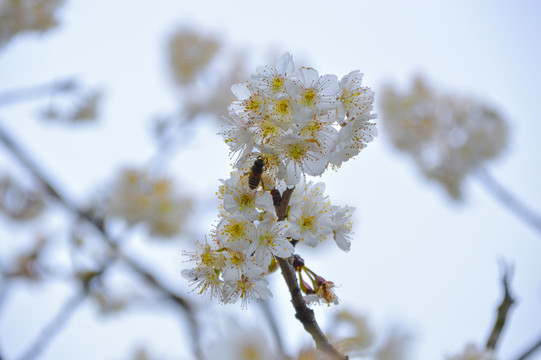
[285, 125]
[300, 121]
[448, 136]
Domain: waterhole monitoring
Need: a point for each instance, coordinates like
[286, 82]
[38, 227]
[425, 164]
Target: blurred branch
[177, 300]
[31, 93]
[98, 224]
[54, 326]
[503, 309]
[269, 315]
[531, 350]
[509, 200]
[302, 312]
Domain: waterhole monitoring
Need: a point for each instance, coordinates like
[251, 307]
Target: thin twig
[531, 350]
[503, 310]
[514, 205]
[98, 223]
[302, 312]
[54, 326]
[35, 92]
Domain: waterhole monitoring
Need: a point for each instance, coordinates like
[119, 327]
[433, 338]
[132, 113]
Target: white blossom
[310, 215]
[285, 124]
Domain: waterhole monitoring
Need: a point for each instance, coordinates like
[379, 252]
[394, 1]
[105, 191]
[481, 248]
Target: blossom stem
[302, 312]
[509, 200]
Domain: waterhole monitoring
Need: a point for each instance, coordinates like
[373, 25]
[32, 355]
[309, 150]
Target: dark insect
[254, 178]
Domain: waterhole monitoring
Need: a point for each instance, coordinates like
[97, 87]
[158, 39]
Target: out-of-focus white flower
[138, 197]
[241, 343]
[189, 53]
[351, 333]
[395, 347]
[471, 352]
[448, 136]
[20, 16]
[17, 202]
[80, 107]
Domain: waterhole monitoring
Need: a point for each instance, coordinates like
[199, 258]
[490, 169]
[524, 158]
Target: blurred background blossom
[76, 268]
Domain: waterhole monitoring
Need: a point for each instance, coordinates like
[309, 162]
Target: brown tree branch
[503, 310]
[302, 312]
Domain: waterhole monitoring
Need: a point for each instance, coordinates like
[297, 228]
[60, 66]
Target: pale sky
[418, 260]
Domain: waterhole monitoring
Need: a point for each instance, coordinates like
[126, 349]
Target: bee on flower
[286, 124]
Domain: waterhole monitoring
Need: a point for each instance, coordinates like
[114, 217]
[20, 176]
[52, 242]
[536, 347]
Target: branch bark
[302, 312]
